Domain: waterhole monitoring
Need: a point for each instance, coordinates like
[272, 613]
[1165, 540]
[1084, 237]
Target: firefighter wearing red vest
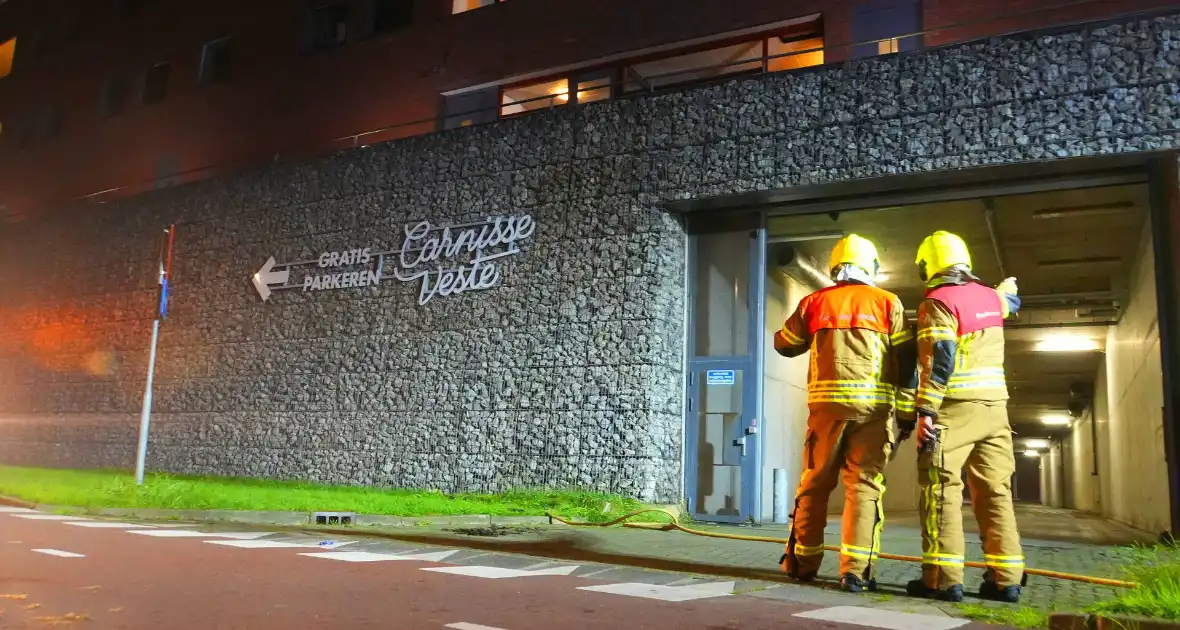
[963, 422]
[860, 397]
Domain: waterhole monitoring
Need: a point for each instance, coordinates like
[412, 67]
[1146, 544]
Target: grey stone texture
[569, 374]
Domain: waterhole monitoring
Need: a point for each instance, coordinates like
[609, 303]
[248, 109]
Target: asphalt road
[57, 574]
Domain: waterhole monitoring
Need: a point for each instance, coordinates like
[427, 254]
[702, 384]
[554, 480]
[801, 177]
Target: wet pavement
[97, 573]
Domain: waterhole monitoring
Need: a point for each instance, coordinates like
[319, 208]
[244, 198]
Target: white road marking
[463, 625]
[4, 509]
[59, 553]
[108, 525]
[275, 544]
[367, 556]
[50, 517]
[665, 593]
[499, 573]
[878, 618]
[188, 533]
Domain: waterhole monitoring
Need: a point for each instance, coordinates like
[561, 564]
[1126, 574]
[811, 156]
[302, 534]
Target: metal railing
[645, 86]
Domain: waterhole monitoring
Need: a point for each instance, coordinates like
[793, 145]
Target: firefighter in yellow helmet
[963, 422]
[862, 372]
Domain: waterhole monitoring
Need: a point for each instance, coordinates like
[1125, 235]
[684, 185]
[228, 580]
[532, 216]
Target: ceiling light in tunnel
[798, 238]
[1067, 343]
[1056, 419]
[1032, 453]
[1036, 443]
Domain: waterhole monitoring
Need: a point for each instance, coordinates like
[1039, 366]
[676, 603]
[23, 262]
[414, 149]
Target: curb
[16, 503]
[254, 517]
[1079, 621]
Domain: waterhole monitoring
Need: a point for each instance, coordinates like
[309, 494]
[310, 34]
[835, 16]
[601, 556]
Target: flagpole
[145, 415]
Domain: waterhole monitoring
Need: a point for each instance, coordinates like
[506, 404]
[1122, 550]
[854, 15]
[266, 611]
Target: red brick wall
[282, 101]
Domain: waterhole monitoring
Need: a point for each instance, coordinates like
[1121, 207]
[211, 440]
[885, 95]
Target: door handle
[742, 443]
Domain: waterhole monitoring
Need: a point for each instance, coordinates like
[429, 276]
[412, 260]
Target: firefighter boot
[852, 584]
[918, 588]
[990, 589]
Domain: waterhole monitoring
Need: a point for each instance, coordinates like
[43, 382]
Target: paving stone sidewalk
[685, 552]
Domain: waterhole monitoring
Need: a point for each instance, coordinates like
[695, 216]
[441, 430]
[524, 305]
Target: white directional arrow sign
[265, 277]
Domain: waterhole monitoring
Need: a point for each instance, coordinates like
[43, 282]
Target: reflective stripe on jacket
[961, 345]
[863, 357]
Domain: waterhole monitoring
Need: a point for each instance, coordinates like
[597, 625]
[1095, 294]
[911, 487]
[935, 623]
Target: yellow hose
[674, 524]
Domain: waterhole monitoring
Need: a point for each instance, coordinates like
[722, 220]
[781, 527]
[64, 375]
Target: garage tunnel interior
[1083, 356]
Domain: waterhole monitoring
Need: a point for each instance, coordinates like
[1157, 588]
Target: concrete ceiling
[1072, 253]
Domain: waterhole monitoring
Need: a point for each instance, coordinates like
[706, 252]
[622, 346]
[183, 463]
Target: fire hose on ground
[674, 525]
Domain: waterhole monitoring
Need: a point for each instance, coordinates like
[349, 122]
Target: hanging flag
[166, 268]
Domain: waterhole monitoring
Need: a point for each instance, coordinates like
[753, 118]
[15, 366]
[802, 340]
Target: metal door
[726, 277]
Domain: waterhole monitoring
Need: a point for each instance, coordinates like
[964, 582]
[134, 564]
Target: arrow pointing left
[265, 277]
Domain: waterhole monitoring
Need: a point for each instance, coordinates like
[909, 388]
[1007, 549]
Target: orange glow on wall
[68, 342]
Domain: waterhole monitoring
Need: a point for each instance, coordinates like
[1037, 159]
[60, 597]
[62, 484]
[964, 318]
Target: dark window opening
[34, 49]
[391, 15]
[51, 122]
[114, 97]
[470, 108]
[22, 136]
[885, 27]
[329, 26]
[216, 62]
[127, 8]
[155, 83]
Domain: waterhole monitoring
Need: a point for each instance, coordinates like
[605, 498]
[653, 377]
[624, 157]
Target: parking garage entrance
[1083, 356]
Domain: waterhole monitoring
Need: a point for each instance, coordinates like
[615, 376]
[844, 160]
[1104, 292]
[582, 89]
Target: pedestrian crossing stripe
[665, 593]
[188, 533]
[885, 619]
[368, 556]
[499, 572]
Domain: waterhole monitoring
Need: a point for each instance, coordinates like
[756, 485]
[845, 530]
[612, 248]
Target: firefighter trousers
[856, 450]
[977, 436]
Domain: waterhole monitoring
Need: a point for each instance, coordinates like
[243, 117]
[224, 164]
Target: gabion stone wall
[569, 371]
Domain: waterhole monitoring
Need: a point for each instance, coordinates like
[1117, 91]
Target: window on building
[885, 27]
[329, 26]
[155, 83]
[7, 53]
[391, 15]
[70, 24]
[791, 54]
[788, 52]
[22, 135]
[51, 122]
[461, 6]
[114, 97]
[470, 108]
[526, 98]
[216, 61]
[127, 8]
[593, 90]
[33, 49]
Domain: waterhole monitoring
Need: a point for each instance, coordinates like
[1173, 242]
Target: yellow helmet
[941, 251]
[855, 250]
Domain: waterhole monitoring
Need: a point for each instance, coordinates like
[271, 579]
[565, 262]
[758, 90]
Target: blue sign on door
[720, 377]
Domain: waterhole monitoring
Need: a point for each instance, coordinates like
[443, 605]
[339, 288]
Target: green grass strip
[116, 489]
[1157, 570]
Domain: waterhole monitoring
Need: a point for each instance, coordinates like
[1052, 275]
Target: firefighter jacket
[961, 344]
[863, 356]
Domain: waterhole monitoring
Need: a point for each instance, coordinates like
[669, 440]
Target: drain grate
[334, 518]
